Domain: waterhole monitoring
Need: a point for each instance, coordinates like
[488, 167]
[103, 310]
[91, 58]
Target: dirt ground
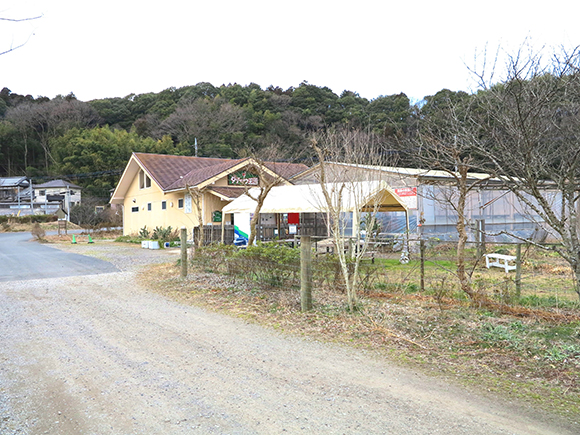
[102, 354]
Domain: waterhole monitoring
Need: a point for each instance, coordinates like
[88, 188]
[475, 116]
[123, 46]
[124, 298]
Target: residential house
[56, 194]
[182, 191]
[15, 195]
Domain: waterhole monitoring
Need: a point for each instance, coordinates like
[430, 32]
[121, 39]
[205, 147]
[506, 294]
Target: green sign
[243, 178]
[216, 216]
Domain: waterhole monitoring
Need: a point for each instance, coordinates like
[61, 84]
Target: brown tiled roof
[199, 175]
[228, 192]
[173, 172]
[167, 170]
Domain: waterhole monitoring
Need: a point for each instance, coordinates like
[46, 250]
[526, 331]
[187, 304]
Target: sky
[116, 48]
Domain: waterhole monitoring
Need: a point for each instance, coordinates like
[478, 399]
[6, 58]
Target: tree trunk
[577, 279]
[464, 280]
[255, 219]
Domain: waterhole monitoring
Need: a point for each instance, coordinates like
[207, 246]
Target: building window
[144, 180]
[163, 205]
[148, 206]
[134, 209]
[42, 192]
[180, 203]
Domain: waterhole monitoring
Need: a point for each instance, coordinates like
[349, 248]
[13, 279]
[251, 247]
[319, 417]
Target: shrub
[38, 231]
[164, 234]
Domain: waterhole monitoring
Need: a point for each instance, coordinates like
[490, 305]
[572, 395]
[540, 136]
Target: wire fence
[542, 278]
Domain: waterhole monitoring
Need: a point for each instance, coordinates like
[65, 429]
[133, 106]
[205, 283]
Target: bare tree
[20, 44]
[196, 195]
[447, 142]
[49, 119]
[207, 121]
[528, 127]
[349, 171]
[270, 174]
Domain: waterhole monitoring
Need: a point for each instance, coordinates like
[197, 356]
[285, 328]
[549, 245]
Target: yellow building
[180, 191]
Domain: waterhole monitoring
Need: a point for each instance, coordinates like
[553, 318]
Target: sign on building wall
[243, 178]
[187, 206]
[409, 196]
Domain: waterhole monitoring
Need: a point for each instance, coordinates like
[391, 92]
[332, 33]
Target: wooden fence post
[183, 252]
[305, 273]
[422, 249]
[518, 270]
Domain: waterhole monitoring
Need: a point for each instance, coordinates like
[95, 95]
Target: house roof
[172, 173]
[311, 175]
[226, 193]
[14, 182]
[56, 184]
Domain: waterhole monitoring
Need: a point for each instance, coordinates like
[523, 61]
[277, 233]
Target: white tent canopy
[309, 198]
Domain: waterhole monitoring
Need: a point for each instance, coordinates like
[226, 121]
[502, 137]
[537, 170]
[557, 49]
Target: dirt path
[101, 355]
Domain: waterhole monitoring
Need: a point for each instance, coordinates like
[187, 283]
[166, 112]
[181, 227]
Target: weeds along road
[100, 354]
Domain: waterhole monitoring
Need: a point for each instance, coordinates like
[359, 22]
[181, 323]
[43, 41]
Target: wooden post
[518, 270]
[183, 252]
[478, 240]
[422, 249]
[483, 247]
[305, 273]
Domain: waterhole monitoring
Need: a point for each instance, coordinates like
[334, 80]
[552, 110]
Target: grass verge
[532, 355]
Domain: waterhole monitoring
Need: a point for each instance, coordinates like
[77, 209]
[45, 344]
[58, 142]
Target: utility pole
[67, 200]
[31, 197]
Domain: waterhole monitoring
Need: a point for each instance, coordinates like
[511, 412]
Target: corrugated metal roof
[406, 172]
[14, 182]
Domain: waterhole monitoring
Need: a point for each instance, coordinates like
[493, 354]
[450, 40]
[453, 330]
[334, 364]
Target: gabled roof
[56, 184]
[173, 173]
[14, 182]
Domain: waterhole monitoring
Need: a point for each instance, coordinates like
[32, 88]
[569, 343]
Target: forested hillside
[90, 142]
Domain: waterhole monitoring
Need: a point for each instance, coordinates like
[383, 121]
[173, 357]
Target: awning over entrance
[309, 198]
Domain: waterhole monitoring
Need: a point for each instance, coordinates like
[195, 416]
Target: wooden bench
[500, 260]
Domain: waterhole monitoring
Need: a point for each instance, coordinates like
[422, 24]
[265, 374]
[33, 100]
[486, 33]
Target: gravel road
[100, 354]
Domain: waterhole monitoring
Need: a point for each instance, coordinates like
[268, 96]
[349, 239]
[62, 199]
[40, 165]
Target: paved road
[21, 258]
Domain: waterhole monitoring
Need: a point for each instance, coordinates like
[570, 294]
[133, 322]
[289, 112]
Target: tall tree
[445, 141]
[528, 127]
[358, 150]
[216, 127]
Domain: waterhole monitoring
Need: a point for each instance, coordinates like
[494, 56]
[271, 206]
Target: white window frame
[144, 180]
